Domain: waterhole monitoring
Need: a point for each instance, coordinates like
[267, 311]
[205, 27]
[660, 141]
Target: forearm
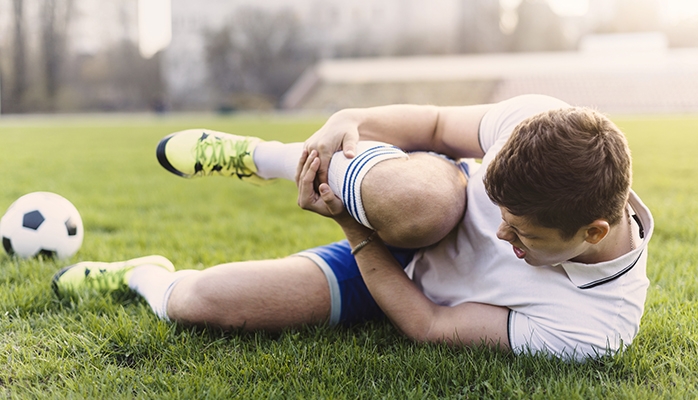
[410, 127]
[399, 298]
[452, 131]
[414, 314]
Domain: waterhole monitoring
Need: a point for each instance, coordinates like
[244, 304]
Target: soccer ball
[41, 223]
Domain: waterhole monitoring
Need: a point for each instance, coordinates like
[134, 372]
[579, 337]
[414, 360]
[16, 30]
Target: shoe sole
[162, 157]
[57, 276]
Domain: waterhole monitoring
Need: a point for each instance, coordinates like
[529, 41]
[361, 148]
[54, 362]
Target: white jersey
[571, 310]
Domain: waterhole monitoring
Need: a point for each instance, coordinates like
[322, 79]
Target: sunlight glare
[569, 8]
[154, 26]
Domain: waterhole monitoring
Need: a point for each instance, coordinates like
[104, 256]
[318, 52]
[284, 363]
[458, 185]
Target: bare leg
[269, 295]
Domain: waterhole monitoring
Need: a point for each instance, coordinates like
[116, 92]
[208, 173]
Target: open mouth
[520, 253]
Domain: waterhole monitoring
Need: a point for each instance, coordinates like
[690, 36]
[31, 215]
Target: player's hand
[321, 201]
[340, 132]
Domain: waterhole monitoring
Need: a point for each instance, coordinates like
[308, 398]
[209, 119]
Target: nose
[505, 233]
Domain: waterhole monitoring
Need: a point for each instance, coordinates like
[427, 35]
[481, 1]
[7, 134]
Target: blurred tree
[478, 30]
[54, 28]
[221, 62]
[363, 44]
[42, 73]
[538, 28]
[257, 56]
[115, 79]
[18, 83]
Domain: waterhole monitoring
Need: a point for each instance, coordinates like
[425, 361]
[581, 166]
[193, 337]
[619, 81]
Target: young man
[521, 272]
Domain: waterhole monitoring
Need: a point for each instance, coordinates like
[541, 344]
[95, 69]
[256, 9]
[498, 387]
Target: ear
[596, 231]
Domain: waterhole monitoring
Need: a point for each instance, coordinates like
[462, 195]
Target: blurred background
[72, 56]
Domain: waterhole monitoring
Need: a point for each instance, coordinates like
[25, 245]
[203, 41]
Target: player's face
[538, 245]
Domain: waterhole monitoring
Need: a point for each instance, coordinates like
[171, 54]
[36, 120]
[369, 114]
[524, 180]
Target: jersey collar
[587, 276]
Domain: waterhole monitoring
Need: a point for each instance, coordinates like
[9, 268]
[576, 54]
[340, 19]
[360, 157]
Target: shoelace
[218, 159]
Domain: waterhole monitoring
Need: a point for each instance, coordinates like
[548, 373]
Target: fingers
[322, 201]
[323, 175]
[349, 145]
[299, 167]
[307, 197]
[325, 154]
[334, 136]
[309, 169]
[333, 203]
[312, 164]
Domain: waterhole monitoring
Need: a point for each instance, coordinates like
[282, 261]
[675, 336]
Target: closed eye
[517, 231]
[524, 235]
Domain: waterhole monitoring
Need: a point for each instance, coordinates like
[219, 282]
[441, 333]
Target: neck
[620, 240]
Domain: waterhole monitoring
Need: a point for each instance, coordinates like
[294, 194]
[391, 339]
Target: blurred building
[336, 28]
[613, 74]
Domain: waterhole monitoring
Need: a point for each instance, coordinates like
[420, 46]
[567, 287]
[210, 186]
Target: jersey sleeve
[578, 343]
[498, 123]
[526, 336]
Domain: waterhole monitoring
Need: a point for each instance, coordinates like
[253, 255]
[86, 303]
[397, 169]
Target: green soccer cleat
[102, 276]
[202, 152]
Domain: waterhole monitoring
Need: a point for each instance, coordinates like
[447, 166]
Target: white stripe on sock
[346, 175]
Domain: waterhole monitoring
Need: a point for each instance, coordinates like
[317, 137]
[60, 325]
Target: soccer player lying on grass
[550, 256]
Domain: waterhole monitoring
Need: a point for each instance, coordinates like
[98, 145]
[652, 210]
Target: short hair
[563, 169]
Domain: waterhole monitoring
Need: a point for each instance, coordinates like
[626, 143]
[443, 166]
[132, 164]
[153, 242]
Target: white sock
[346, 174]
[155, 284]
[280, 160]
[277, 160]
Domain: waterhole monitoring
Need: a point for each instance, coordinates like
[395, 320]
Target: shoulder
[533, 103]
[501, 119]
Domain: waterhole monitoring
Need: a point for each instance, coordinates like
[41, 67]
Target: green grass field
[114, 347]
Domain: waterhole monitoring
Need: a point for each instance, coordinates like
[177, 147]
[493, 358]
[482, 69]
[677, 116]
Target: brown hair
[563, 169]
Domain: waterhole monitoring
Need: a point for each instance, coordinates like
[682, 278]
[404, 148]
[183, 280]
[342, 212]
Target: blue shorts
[351, 302]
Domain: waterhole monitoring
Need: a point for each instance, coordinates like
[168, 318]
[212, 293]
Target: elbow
[422, 330]
[432, 336]
[434, 328]
[426, 336]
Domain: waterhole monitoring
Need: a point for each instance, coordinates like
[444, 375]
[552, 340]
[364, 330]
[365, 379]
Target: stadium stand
[620, 82]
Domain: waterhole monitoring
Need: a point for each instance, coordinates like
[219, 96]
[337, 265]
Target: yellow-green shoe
[202, 152]
[102, 276]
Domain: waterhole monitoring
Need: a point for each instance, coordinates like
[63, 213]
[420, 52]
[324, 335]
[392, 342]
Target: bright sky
[569, 7]
[671, 9]
[155, 21]
[154, 26]
[677, 9]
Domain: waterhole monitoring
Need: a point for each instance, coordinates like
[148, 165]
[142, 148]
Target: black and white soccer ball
[41, 223]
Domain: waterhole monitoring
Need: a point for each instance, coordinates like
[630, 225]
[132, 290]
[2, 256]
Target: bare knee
[193, 301]
[414, 202]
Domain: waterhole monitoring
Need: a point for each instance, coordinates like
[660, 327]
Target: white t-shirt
[571, 310]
